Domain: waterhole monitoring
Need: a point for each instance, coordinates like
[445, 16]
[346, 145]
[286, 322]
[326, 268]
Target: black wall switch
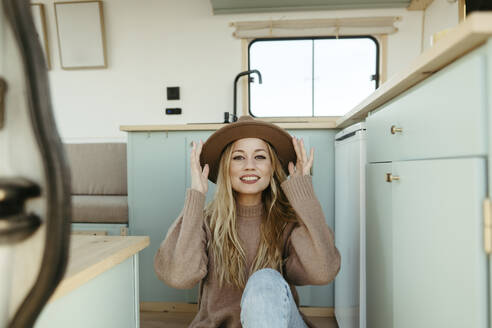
[173, 111]
[172, 93]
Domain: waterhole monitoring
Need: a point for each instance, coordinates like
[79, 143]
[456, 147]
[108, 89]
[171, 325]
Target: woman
[261, 234]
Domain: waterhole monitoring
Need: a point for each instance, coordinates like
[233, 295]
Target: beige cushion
[100, 209]
[98, 168]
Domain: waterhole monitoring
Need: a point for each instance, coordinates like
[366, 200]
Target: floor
[182, 320]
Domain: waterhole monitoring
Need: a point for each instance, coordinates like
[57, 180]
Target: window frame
[379, 74]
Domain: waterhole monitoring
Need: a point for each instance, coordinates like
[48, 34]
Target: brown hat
[246, 127]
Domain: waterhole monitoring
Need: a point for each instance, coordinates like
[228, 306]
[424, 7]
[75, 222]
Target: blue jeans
[267, 302]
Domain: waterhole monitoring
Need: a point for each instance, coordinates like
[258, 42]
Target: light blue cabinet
[156, 188]
[488, 72]
[426, 265]
[379, 247]
[425, 261]
[444, 116]
[108, 300]
[158, 176]
[323, 142]
[440, 268]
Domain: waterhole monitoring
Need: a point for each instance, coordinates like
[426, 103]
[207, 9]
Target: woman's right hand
[199, 177]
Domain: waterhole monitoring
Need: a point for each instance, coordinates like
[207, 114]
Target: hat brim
[277, 137]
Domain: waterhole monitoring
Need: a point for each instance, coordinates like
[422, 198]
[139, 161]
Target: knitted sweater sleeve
[181, 260]
[311, 255]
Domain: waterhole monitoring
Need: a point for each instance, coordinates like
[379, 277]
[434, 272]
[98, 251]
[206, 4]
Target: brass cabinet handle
[487, 225]
[390, 177]
[394, 129]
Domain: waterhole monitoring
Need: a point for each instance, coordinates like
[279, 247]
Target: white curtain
[315, 27]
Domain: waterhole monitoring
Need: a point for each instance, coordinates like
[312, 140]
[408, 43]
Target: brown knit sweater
[183, 260]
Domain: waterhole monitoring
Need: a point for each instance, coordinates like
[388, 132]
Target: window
[312, 76]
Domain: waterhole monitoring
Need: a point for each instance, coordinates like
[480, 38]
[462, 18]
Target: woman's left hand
[303, 163]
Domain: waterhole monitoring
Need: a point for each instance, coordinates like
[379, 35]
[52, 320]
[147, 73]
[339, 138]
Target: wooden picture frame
[81, 37]
[39, 18]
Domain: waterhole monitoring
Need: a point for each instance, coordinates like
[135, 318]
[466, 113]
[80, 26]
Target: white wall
[157, 43]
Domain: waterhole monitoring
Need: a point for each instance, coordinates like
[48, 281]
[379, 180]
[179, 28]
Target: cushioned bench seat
[100, 209]
[99, 187]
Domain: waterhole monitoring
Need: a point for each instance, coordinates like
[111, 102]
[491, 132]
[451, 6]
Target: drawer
[444, 116]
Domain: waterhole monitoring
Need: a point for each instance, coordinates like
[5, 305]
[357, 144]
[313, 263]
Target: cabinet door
[189, 137]
[427, 112]
[156, 189]
[379, 247]
[489, 159]
[323, 142]
[439, 261]
[108, 300]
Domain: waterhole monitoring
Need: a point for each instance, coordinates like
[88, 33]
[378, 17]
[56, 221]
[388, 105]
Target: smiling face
[250, 169]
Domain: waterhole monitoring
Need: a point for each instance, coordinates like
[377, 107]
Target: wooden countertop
[213, 127]
[465, 37]
[92, 255]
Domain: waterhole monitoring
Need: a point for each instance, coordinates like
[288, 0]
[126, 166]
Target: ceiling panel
[257, 6]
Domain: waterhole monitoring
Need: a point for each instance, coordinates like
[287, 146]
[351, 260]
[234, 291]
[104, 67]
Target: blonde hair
[228, 254]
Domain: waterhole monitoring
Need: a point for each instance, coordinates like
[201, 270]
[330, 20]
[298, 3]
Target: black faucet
[250, 79]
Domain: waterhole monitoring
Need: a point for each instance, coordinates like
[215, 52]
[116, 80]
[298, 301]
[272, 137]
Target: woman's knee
[265, 281]
[265, 300]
